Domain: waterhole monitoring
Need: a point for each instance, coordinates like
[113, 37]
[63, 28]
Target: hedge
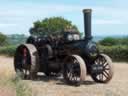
[109, 41]
[8, 50]
[117, 53]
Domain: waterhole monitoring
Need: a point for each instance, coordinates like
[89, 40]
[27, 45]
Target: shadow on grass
[47, 78]
[59, 80]
[83, 83]
[87, 82]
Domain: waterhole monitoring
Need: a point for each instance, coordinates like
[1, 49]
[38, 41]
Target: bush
[117, 53]
[8, 50]
[3, 39]
[109, 41]
[123, 41]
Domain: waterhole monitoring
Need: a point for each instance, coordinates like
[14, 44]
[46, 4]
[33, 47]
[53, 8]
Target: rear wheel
[46, 54]
[74, 70]
[25, 61]
[102, 69]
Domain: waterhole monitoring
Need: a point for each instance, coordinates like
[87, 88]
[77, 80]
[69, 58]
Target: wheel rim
[26, 62]
[22, 62]
[105, 74]
[74, 70]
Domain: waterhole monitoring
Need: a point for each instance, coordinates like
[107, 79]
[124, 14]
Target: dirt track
[55, 87]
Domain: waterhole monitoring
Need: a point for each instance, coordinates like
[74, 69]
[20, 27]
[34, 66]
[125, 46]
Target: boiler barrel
[87, 23]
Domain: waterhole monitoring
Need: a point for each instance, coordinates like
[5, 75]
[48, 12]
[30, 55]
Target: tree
[109, 41]
[51, 26]
[3, 39]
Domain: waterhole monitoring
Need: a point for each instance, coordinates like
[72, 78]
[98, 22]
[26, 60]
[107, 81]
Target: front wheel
[102, 69]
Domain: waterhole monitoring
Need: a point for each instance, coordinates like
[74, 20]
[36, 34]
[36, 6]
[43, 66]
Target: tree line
[116, 48]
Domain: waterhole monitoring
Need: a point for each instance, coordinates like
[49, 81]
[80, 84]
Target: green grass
[20, 87]
[8, 50]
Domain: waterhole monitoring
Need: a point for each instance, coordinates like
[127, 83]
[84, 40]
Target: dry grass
[7, 91]
[10, 85]
[117, 87]
[6, 67]
[55, 87]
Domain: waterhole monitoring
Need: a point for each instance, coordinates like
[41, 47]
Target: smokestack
[87, 23]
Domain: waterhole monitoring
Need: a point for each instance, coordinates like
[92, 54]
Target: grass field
[45, 86]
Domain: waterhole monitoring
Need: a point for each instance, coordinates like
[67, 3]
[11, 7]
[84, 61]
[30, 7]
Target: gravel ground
[45, 86]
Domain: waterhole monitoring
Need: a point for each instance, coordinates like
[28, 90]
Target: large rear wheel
[26, 61]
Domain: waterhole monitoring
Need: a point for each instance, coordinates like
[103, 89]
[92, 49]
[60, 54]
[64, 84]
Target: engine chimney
[87, 23]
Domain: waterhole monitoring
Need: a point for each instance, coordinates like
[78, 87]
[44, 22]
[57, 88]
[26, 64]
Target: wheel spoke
[105, 75]
[106, 64]
[75, 61]
[103, 60]
[98, 77]
[70, 74]
[106, 68]
[101, 76]
[73, 77]
[25, 65]
[98, 62]
[24, 73]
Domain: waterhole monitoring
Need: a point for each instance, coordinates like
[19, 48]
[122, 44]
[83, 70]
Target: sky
[109, 17]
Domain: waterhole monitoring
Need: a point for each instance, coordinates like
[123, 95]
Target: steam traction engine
[69, 55]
